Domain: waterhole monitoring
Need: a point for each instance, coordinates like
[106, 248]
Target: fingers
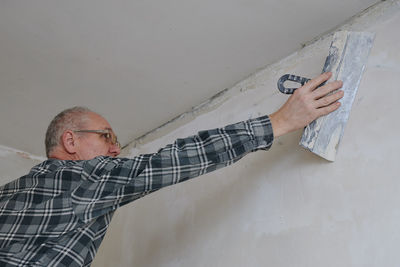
[326, 89]
[328, 109]
[307, 104]
[314, 83]
[329, 99]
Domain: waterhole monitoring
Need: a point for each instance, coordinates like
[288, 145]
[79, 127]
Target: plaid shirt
[58, 214]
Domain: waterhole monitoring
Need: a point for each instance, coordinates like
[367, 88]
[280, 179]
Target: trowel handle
[293, 78]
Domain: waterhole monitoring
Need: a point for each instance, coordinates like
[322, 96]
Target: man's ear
[69, 141]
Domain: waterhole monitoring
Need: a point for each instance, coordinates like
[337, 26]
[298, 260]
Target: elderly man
[58, 214]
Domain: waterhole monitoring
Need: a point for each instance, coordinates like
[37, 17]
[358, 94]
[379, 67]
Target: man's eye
[106, 136]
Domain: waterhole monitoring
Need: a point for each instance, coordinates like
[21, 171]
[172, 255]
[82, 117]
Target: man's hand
[307, 104]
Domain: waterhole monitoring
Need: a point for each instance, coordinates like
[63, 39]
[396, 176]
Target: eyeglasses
[107, 134]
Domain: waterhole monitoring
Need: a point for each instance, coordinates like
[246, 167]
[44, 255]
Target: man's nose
[115, 150]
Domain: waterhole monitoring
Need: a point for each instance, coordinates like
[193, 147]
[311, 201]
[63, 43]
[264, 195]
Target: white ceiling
[140, 63]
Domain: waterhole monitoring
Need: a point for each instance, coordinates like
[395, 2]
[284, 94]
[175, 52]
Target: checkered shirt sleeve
[58, 214]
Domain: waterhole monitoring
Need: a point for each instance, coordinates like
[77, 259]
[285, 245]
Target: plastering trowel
[347, 58]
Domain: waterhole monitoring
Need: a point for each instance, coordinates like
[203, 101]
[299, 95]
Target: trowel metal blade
[347, 58]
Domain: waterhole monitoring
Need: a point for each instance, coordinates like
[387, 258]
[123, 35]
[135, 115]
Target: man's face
[91, 145]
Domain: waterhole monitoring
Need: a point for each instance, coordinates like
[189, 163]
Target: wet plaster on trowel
[285, 207]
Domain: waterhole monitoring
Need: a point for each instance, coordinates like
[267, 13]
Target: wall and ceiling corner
[285, 207]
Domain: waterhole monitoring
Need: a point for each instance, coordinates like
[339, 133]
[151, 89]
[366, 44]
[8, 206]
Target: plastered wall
[284, 207]
[15, 163]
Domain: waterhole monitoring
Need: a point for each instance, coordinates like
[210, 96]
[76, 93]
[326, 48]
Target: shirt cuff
[262, 130]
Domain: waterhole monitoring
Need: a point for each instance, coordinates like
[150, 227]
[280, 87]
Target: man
[58, 214]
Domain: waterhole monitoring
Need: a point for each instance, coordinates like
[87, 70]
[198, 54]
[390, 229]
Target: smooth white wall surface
[284, 207]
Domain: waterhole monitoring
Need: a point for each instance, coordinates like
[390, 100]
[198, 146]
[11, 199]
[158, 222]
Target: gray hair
[72, 118]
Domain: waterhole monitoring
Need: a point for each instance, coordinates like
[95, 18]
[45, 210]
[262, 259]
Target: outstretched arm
[109, 183]
[112, 182]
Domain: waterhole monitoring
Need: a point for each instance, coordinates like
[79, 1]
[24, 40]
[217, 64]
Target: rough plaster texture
[284, 207]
